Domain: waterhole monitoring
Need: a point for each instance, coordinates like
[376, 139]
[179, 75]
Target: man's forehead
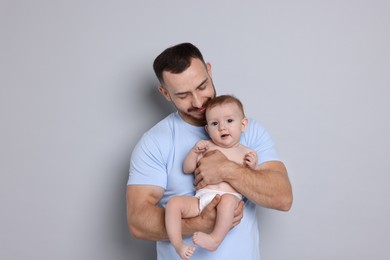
[181, 83]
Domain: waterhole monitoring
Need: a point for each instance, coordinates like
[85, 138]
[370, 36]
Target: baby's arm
[250, 159]
[192, 157]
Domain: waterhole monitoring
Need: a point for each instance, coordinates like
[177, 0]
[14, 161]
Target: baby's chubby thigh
[229, 202]
[187, 205]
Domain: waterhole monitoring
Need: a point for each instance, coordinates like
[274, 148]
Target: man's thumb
[215, 201]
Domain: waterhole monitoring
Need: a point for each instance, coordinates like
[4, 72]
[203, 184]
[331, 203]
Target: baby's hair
[225, 99]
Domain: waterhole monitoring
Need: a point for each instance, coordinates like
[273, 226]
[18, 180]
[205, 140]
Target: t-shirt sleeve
[147, 166]
[259, 139]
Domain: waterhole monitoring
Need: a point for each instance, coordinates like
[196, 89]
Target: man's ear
[208, 66]
[165, 93]
[244, 124]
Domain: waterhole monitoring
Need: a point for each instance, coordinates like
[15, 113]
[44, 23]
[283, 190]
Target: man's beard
[199, 121]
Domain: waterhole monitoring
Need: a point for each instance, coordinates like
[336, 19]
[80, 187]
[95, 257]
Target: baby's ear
[206, 128]
[244, 124]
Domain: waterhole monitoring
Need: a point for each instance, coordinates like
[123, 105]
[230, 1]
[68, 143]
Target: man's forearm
[268, 187]
[190, 226]
[199, 223]
[148, 224]
[153, 227]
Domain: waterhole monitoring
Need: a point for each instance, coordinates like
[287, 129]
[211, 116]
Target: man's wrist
[192, 225]
[189, 226]
[230, 171]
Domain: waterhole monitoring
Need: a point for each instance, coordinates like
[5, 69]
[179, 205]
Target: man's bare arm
[268, 186]
[146, 219]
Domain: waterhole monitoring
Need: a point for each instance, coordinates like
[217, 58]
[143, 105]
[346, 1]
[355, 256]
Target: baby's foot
[206, 241]
[185, 251]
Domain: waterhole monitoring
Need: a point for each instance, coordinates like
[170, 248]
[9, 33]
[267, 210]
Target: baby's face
[225, 123]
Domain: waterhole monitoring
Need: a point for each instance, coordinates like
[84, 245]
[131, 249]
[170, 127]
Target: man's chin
[198, 116]
[196, 119]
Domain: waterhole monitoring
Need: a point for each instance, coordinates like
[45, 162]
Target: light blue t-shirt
[158, 160]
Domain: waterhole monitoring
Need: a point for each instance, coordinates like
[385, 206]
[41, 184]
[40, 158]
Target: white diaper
[205, 196]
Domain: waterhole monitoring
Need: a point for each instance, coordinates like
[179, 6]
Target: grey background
[78, 90]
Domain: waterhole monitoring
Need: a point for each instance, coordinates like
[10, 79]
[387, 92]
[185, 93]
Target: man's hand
[238, 214]
[209, 169]
[208, 215]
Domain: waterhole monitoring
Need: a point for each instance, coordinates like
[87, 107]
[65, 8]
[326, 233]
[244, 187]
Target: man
[156, 165]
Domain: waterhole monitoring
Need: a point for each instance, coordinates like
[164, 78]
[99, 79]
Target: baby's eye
[230, 120]
[214, 123]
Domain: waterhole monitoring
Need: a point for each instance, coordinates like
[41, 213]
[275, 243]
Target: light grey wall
[77, 92]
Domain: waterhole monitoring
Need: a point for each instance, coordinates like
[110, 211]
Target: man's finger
[214, 202]
[238, 214]
[239, 210]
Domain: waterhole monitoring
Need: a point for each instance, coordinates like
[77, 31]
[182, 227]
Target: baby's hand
[250, 159]
[201, 146]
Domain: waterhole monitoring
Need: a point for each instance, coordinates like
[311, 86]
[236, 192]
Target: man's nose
[196, 101]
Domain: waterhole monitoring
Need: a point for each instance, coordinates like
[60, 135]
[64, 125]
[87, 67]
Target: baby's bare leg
[225, 215]
[176, 209]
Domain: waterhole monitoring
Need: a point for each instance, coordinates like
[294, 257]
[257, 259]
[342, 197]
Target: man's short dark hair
[176, 59]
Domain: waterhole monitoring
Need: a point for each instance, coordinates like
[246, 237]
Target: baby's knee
[229, 200]
[174, 202]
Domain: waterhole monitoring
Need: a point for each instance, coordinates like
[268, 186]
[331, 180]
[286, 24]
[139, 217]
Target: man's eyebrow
[202, 83]
[183, 93]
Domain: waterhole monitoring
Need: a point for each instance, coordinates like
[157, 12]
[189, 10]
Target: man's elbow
[285, 202]
[135, 231]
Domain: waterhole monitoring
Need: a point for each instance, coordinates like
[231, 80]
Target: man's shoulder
[156, 140]
[255, 133]
[166, 132]
[254, 123]
[164, 126]
[254, 127]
